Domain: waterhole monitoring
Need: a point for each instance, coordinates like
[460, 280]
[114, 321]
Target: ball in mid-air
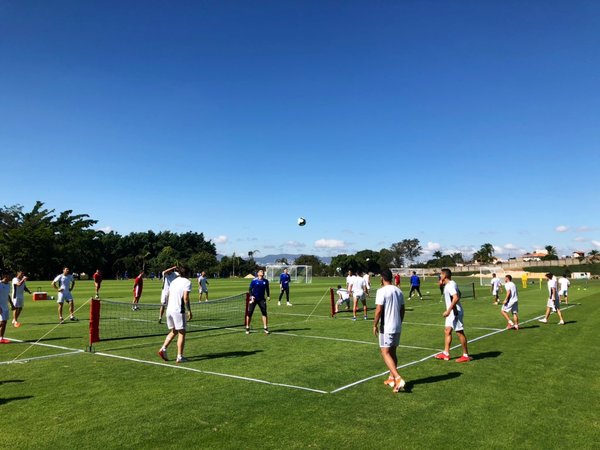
[301, 221]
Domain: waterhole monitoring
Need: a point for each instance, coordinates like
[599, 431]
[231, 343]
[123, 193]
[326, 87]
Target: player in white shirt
[4, 309]
[343, 297]
[454, 318]
[511, 303]
[357, 289]
[367, 279]
[563, 290]
[496, 283]
[18, 296]
[64, 284]
[389, 312]
[553, 304]
[168, 275]
[349, 280]
[203, 287]
[178, 304]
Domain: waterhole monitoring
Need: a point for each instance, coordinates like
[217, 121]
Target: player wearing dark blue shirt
[259, 294]
[284, 284]
[415, 285]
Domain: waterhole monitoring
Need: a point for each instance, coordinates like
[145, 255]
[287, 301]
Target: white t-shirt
[392, 299]
[358, 285]
[177, 288]
[551, 284]
[349, 281]
[496, 284]
[343, 293]
[167, 280]
[511, 288]
[18, 292]
[564, 283]
[367, 279]
[64, 283]
[451, 289]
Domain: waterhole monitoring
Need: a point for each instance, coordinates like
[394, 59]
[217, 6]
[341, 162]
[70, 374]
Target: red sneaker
[17, 324]
[4, 341]
[442, 356]
[390, 381]
[464, 359]
[163, 354]
[509, 326]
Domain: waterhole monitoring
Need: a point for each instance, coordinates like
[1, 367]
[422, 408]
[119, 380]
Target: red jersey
[138, 285]
[97, 278]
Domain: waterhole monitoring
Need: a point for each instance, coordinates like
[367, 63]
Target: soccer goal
[487, 273]
[298, 274]
[406, 272]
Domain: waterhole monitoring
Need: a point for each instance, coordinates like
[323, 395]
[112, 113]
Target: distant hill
[270, 259]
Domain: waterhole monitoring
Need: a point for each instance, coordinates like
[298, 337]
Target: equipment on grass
[111, 320]
[298, 274]
[301, 221]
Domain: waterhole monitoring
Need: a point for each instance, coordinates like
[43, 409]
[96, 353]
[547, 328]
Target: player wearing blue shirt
[284, 284]
[258, 288]
[415, 285]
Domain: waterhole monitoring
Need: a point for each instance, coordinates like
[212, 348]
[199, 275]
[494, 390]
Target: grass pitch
[315, 382]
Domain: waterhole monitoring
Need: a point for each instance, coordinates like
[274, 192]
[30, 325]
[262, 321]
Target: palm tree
[437, 254]
[552, 254]
[485, 254]
[593, 256]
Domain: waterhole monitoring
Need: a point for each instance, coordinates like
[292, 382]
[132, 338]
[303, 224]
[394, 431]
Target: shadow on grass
[8, 400]
[237, 354]
[11, 381]
[288, 330]
[485, 355]
[428, 380]
[527, 327]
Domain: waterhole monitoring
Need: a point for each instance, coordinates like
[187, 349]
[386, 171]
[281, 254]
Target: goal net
[487, 273]
[298, 274]
[406, 272]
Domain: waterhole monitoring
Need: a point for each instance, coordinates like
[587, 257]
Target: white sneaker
[562, 322]
[278, 303]
[289, 304]
[543, 320]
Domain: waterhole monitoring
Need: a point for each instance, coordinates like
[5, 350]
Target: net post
[94, 322]
[332, 302]
[473, 287]
[246, 308]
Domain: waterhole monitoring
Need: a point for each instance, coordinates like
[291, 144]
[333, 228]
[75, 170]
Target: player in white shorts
[511, 303]
[4, 308]
[454, 318]
[496, 283]
[18, 296]
[553, 304]
[203, 287]
[563, 291]
[178, 304]
[357, 289]
[343, 297]
[168, 276]
[367, 279]
[390, 312]
[64, 284]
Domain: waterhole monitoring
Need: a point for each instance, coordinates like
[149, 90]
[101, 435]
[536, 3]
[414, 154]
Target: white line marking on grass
[317, 305]
[208, 372]
[442, 325]
[33, 358]
[432, 355]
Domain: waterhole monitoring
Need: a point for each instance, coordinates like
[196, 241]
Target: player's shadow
[528, 327]
[485, 355]
[237, 354]
[288, 330]
[8, 400]
[58, 338]
[432, 379]
[10, 381]
[568, 322]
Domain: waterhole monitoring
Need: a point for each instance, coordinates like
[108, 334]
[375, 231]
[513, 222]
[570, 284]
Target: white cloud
[561, 228]
[222, 239]
[433, 246]
[329, 243]
[105, 229]
[579, 239]
[596, 243]
[294, 244]
[584, 229]
[510, 247]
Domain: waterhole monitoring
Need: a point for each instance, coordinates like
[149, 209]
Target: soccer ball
[301, 221]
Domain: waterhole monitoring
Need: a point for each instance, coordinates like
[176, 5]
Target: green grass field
[315, 382]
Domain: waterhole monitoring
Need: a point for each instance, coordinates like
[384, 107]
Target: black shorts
[262, 304]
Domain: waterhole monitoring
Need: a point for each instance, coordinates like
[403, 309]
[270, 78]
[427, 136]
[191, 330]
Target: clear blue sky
[457, 123]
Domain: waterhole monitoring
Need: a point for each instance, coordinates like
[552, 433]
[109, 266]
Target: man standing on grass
[511, 304]
[4, 309]
[415, 285]
[168, 275]
[397, 279]
[389, 314]
[454, 318]
[18, 296]
[496, 283]
[178, 304]
[284, 285]
[64, 283]
[259, 295]
[202, 287]
[357, 289]
[553, 304]
[563, 293]
[97, 282]
[138, 287]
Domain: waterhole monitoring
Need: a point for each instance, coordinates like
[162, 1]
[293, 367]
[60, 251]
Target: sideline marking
[33, 358]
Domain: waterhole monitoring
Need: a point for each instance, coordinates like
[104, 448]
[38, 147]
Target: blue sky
[457, 123]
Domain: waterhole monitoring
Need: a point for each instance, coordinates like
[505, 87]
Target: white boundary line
[442, 325]
[191, 369]
[33, 358]
[432, 355]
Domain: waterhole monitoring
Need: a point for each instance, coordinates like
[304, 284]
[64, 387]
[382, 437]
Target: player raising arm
[259, 295]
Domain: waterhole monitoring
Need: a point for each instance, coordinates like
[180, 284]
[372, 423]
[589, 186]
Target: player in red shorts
[138, 286]
[97, 282]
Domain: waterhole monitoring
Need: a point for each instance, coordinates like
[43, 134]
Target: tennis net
[111, 320]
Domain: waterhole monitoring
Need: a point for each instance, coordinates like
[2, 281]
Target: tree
[437, 254]
[282, 261]
[409, 249]
[485, 254]
[594, 256]
[318, 268]
[551, 255]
